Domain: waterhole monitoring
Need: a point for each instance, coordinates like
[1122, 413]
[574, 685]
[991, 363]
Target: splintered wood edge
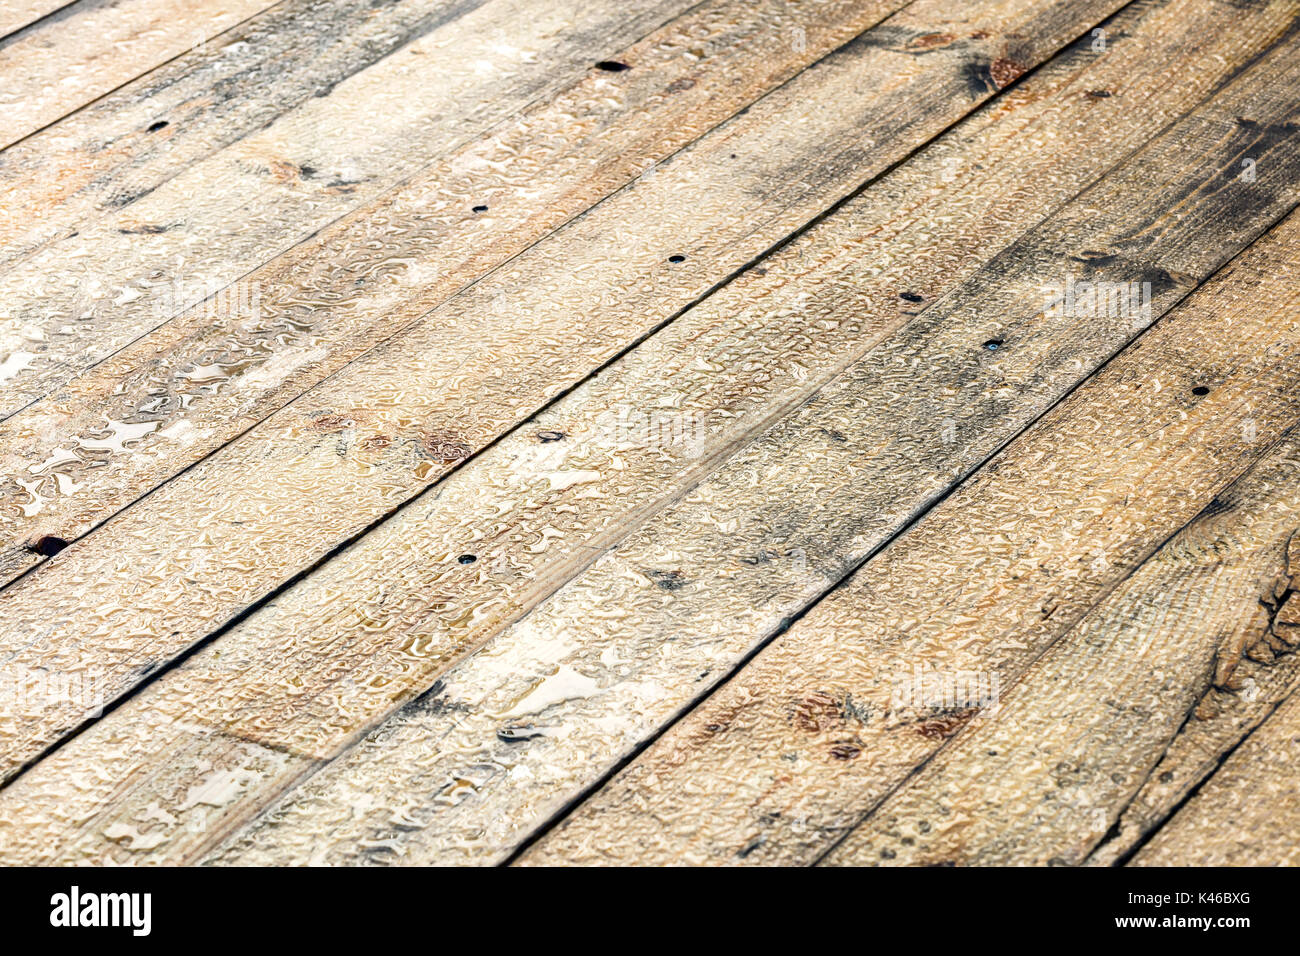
[1248, 813]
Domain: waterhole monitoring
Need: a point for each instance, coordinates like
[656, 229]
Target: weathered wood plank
[67, 61]
[124, 145]
[366, 678]
[418, 433]
[613, 665]
[1076, 736]
[223, 372]
[75, 301]
[503, 723]
[830, 717]
[1262, 679]
[17, 14]
[1248, 814]
[1221, 721]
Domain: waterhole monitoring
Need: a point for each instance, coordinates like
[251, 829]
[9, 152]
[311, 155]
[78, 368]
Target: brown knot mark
[444, 446]
[1005, 72]
[816, 711]
[930, 41]
[946, 724]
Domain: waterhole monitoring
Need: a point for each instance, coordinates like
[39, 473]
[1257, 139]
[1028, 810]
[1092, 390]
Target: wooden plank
[67, 61]
[537, 716]
[1078, 733]
[373, 269]
[410, 643]
[77, 300]
[416, 446]
[20, 13]
[934, 632]
[129, 142]
[1249, 812]
[1203, 742]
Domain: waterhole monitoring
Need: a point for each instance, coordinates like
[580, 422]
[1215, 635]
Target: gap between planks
[101, 44]
[1246, 813]
[277, 358]
[981, 584]
[19, 14]
[357, 487]
[1173, 241]
[457, 702]
[85, 297]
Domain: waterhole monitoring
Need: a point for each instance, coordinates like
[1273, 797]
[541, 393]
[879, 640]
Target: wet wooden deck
[650, 431]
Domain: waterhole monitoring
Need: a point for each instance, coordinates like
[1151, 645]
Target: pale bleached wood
[82, 298]
[17, 14]
[337, 700]
[1248, 814]
[248, 543]
[67, 61]
[375, 270]
[391, 262]
[1044, 776]
[112, 152]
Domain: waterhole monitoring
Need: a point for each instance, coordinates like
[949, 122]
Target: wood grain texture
[17, 14]
[542, 710]
[612, 513]
[468, 770]
[1261, 680]
[93, 47]
[213, 372]
[192, 238]
[1248, 813]
[248, 543]
[842, 708]
[110, 153]
[1075, 736]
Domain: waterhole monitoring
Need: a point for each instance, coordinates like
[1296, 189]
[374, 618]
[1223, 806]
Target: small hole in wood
[480, 208]
[467, 558]
[993, 344]
[161, 124]
[676, 258]
[911, 297]
[612, 66]
[48, 545]
[549, 436]
[1201, 390]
